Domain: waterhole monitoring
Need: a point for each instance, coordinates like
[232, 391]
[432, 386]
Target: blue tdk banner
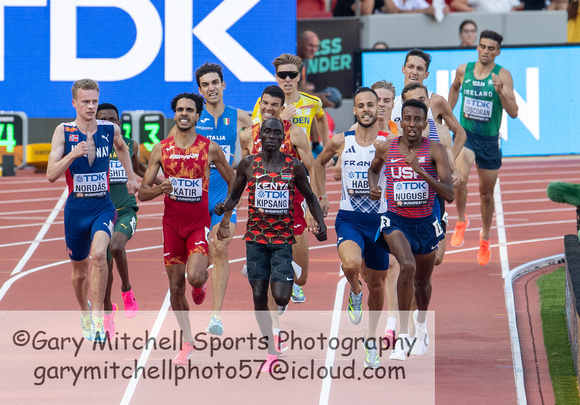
[142, 52]
[545, 84]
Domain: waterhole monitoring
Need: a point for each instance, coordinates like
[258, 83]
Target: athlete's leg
[260, 295]
[463, 163]
[100, 269]
[117, 246]
[176, 275]
[300, 255]
[108, 304]
[350, 257]
[80, 283]
[197, 269]
[392, 296]
[221, 267]
[423, 272]
[440, 252]
[376, 283]
[487, 180]
[400, 248]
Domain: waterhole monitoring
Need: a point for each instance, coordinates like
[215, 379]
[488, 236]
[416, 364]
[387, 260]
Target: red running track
[472, 357]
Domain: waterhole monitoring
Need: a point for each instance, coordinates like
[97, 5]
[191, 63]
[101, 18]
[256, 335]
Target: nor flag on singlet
[73, 138]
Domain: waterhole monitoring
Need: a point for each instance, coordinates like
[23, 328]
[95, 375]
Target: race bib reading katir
[186, 190]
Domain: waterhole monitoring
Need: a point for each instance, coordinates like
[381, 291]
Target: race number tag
[357, 183]
[272, 200]
[385, 223]
[410, 193]
[479, 110]
[438, 229]
[186, 190]
[90, 185]
[226, 150]
[117, 174]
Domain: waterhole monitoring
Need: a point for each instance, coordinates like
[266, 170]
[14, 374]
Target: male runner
[80, 150]
[416, 69]
[185, 160]
[221, 124]
[295, 144]
[126, 223]
[270, 235]
[416, 170]
[303, 110]
[487, 89]
[358, 217]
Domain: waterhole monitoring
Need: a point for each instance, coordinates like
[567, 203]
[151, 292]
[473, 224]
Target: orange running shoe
[484, 253]
[459, 232]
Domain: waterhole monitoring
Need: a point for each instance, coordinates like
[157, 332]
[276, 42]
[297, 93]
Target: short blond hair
[84, 84]
[287, 59]
[383, 84]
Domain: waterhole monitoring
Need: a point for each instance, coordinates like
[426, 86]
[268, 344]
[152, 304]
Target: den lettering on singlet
[90, 185]
[186, 190]
[117, 173]
[411, 193]
[272, 198]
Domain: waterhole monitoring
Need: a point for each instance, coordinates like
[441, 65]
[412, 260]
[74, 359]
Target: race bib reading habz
[479, 110]
[410, 193]
[186, 190]
[357, 183]
[90, 185]
[117, 173]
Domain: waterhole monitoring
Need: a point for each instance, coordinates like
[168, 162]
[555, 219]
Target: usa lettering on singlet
[407, 193]
[356, 161]
[84, 180]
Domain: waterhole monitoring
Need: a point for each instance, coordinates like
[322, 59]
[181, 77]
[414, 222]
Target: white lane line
[41, 233]
[330, 353]
[145, 354]
[501, 237]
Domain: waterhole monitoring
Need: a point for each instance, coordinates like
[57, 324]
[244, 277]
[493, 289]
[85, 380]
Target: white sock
[245, 271]
[297, 269]
[421, 325]
[276, 331]
[391, 323]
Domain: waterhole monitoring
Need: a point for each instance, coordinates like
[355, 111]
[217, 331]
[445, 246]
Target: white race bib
[357, 183]
[186, 190]
[273, 202]
[117, 174]
[226, 150]
[90, 185]
[479, 110]
[410, 193]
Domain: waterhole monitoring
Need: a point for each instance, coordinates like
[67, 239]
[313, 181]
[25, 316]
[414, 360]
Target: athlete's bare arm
[216, 155]
[334, 147]
[504, 86]
[442, 111]
[301, 182]
[125, 159]
[57, 162]
[246, 142]
[147, 191]
[444, 185]
[322, 127]
[244, 120]
[243, 174]
[377, 164]
[456, 86]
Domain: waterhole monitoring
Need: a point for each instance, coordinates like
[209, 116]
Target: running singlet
[118, 180]
[397, 109]
[408, 194]
[186, 169]
[356, 161]
[88, 185]
[433, 134]
[307, 108]
[481, 106]
[270, 208]
[224, 132]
